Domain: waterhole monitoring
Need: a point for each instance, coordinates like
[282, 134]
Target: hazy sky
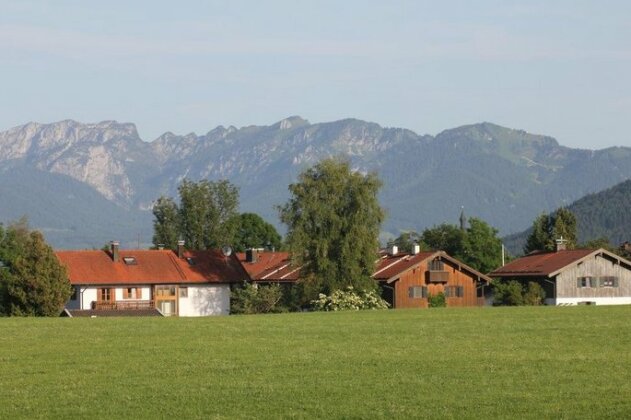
[561, 68]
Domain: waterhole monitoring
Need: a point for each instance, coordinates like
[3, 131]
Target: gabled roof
[391, 267]
[551, 263]
[270, 266]
[150, 267]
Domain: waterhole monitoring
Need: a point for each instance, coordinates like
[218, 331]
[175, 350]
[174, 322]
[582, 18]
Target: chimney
[114, 245]
[251, 255]
[560, 244]
[394, 250]
[160, 247]
[416, 248]
[180, 248]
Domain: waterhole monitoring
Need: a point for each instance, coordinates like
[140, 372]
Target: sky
[559, 68]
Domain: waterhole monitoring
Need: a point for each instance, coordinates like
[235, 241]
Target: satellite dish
[226, 250]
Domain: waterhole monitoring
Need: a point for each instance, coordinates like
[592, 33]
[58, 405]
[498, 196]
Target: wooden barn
[576, 276]
[409, 279]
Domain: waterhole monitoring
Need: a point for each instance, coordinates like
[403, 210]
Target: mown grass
[448, 363]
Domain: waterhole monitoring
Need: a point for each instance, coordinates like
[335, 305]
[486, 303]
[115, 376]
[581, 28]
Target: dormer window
[130, 260]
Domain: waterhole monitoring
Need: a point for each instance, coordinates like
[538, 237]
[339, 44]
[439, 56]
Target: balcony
[438, 276]
[134, 305]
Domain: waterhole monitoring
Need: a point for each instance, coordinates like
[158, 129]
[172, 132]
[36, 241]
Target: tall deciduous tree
[333, 219]
[166, 225]
[251, 231]
[482, 248]
[445, 237]
[32, 281]
[204, 217]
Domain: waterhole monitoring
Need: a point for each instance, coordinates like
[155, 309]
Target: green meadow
[527, 362]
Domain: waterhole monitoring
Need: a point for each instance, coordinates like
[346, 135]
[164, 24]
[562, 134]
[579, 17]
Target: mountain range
[600, 215]
[85, 184]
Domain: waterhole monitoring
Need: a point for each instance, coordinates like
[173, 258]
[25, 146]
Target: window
[74, 294]
[454, 291]
[105, 295]
[190, 260]
[130, 260]
[184, 292]
[582, 282]
[609, 281]
[436, 265]
[132, 293]
[165, 290]
[417, 292]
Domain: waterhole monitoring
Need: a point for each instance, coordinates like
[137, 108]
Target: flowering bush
[349, 300]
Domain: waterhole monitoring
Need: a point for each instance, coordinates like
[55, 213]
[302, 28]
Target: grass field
[572, 362]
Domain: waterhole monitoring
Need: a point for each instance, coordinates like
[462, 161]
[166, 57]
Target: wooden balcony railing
[123, 305]
[436, 276]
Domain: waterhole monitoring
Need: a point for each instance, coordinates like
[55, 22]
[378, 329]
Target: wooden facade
[597, 268]
[574, 277]
[413, 285]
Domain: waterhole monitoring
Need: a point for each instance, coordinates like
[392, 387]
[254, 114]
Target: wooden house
[409, 279]
[571, 277]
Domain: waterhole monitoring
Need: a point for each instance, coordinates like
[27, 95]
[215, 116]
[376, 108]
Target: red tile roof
[152, 267]
[270, 266]
[543, 263]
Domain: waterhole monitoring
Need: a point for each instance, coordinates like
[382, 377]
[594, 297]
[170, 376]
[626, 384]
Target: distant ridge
[501, 175]
[603, 214]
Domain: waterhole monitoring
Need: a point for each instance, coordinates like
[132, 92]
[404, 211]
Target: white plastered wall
[205, 300]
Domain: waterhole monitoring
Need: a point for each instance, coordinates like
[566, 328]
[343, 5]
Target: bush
[534, 295]
[513, 293]
[349, 300]
[437, 301]
[255, 299]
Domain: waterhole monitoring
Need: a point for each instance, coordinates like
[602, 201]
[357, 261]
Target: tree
[406, 241]
[251, 231]
[482, 248]
[333, 219]
[445, 237]
[166, 226]
[546, 229]
[32, 281]
[539, 238]
[204, 218]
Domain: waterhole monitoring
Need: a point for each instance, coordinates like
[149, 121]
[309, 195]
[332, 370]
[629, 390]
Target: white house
[180, 283]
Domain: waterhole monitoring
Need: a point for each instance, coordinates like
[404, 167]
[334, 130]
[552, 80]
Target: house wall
[568, 292]
[205, 300]
[419, 277]
[88, 294]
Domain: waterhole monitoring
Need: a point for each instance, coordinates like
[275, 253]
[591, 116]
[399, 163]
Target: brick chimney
[180, 248]
[114, 245]
[560, 244]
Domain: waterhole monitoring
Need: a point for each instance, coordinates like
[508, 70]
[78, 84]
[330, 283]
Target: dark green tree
[204, 218]
[251, 231]
[32, 281]
[166, 224]
[333, 219]
[564, 226]
[546, 229]
[406, 241]
[482, 248]
[445, 237]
